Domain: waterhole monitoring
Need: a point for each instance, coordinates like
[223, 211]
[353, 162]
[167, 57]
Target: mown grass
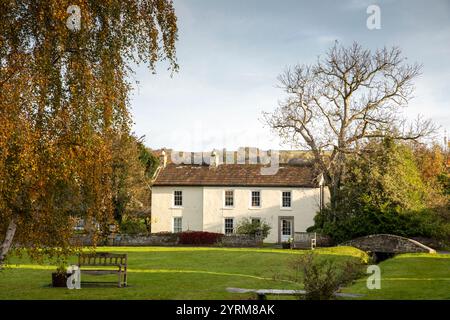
[170, 273]
[205, 273]
[410, 276]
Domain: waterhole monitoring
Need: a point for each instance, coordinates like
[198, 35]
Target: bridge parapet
[388, 243]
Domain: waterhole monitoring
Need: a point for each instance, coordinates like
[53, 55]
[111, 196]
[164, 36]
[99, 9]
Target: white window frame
[173, 224]
[225, 224]
[250, 205]
[173, 199]
[281, 200]
[225, 198]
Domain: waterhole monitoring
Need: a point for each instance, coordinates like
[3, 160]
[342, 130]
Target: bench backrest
[304, 236]
[102, 259]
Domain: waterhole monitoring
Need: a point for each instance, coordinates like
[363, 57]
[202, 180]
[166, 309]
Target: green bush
[383, 191]
[133, 226]
[319, 276]
[253, 227]
[322, 277]
[343, 227]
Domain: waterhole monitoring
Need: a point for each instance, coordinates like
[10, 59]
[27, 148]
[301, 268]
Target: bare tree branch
[347, 97]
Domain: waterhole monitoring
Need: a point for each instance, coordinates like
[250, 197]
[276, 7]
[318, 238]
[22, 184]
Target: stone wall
[241, 240]
[388, 243]
[324, 241]
[168, 239]
[163, 239]
[144, 240]
[82, 240]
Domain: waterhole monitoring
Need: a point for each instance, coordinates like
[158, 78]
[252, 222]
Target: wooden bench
[263, 293]
[304, 240]
[103, 259]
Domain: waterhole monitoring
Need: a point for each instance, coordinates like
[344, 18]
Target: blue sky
[231, 52]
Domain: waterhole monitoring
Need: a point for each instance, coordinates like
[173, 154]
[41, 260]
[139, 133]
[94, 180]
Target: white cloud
[230, 56]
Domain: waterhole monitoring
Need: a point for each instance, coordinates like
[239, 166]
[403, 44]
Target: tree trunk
[7, 242]
[335, 196]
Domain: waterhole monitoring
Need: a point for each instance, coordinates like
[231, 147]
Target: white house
[214, 197]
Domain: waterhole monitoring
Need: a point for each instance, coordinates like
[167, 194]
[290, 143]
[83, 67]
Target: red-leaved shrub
[199, 237]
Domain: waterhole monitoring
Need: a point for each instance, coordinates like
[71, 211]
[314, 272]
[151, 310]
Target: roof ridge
[236, 174]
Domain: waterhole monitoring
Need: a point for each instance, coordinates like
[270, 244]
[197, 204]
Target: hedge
[199, 237]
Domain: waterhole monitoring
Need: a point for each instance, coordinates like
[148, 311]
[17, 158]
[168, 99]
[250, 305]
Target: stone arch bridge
[388, 244]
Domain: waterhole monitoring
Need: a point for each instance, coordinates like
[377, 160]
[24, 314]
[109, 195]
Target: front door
[286, 229]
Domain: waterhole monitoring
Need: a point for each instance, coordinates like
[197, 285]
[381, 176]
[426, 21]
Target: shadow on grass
[91, 284]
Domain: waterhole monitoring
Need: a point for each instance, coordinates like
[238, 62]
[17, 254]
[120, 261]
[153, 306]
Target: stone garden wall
[143, 240]
[163, 239]
[241, 240]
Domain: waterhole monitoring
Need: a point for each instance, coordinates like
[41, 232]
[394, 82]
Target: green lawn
[410, 276]
[205, 273]
[170, 273]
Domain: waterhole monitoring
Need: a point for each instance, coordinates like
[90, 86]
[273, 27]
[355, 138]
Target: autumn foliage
[64, 96]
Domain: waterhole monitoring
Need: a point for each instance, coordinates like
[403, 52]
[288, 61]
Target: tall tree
[130, 179]
[63, 97]
[385, 193]
[346, 98]
[431, 160]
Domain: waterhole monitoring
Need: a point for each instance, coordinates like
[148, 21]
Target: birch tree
[64, 95]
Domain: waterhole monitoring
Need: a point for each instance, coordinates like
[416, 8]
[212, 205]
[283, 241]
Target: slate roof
[236, 175]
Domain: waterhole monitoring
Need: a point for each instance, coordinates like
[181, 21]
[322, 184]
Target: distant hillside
[285, 155]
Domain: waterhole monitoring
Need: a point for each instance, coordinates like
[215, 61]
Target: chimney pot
[163, 159]
[213, 160]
